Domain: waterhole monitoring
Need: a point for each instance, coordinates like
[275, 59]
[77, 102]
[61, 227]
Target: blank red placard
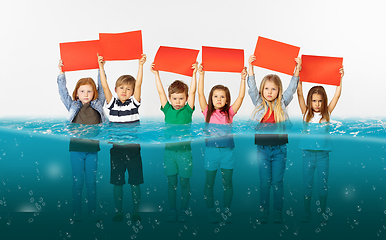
[322, 70]
[276, 56]
[222, 59]
[175, 60]
[121, 46]
[79, 55]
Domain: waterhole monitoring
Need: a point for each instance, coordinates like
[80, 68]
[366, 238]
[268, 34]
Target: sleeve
[231, 112]
[288, 94]
[166, 108]
[113, 99]
[101, 93]
[252, 90]
[63, 92]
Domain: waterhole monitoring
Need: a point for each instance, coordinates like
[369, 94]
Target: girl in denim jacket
[270, 109]
[85, 107]
[316, 144]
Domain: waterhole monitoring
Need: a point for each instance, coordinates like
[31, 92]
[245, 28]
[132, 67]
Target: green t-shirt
[180, 116]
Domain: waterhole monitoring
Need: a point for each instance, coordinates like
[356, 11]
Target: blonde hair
[125, 79]
[280, 115]
[85, 81]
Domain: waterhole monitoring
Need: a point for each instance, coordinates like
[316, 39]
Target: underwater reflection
[178, 163]
[219, 154]
[84, 162]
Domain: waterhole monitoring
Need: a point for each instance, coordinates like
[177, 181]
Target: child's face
[219, 99]
[124, 92]
[316, 102]
[85, 93]
[178, 100]
[270, 91]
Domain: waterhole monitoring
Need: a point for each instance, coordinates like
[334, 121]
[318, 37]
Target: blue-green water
[36, 184]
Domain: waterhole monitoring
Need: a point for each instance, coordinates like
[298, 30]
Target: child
[124, 109]
[178, 156]
[270, 107]
[85, 107]
[316, 153]
[219, 151]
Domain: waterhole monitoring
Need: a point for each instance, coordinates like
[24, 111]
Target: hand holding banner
[276, 56]
[222, 59]
[175, 60]
[79, 55]
[322, 70]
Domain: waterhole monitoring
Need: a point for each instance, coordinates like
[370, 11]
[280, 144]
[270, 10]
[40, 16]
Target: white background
[32, 30]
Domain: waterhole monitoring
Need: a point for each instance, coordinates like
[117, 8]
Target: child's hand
[201, 70]
[244, 73]
[60, 65]
[298, 61]
[101, 62]
[142, 60]
[152, 69]
[195, 67]
[251, 59]
[341, 71]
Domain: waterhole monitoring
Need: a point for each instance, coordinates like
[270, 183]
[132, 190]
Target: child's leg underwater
[208, 188]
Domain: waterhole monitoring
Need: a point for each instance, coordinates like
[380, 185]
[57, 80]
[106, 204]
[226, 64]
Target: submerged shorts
[219, 157]
[126, 157]
[178, 162]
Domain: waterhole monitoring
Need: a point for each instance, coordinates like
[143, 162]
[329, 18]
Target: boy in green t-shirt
[178, 156]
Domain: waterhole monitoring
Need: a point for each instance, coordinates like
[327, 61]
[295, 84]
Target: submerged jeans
[84, 169]
[272, 161]
[320, 161]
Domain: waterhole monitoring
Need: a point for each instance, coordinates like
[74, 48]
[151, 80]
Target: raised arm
[201, 96]
[237, 104]
[298, 68]
[102, 74]
[161, 92]
[302, 103]
[252, 88]
[138, 82]
[63, 92]
[251, 58]
[193, 86]
[338, 91]
[291, 89]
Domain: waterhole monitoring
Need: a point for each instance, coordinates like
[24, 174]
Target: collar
[126, 103]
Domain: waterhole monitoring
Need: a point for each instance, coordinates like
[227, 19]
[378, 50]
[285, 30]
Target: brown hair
[85, 81]
[225, 108]
[278, 111]
[125, 79]
[178, 87]
[324, 108]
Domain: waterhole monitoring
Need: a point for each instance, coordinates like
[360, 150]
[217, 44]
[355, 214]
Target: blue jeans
[84, 169]
[320, 161]
[271, 160]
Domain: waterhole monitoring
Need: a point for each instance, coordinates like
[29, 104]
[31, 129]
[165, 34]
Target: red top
[267, 118]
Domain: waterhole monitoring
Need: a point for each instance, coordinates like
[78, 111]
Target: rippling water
[36, 183]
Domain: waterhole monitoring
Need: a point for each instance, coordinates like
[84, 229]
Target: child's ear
[115, 89]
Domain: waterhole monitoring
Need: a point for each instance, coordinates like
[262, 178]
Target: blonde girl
[218, 113]
[316, 115]
[270, 108]
[85, 107]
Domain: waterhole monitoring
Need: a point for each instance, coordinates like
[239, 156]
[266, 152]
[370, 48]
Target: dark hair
[224, 109]
[178, 87]
[85, 81]
[324, 108]
[125, 79]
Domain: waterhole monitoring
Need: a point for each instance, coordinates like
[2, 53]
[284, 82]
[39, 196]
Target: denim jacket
[74, 106]
[257, 99]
